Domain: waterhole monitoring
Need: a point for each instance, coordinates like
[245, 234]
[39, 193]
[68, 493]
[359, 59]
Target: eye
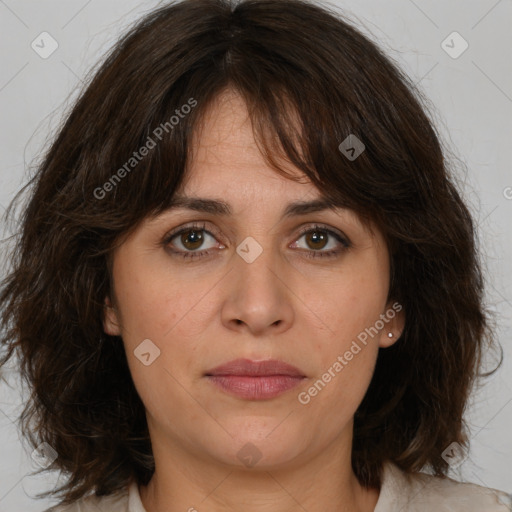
[195, 241]
[318, 238]
[189, 239]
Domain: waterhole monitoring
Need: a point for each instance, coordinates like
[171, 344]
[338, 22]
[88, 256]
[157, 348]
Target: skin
[205, 311]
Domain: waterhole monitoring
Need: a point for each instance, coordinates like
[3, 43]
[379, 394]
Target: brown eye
[321, 242]
[192, 239]
[316, 239]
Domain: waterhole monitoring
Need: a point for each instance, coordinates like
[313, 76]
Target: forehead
[227, 173]
[224, 154]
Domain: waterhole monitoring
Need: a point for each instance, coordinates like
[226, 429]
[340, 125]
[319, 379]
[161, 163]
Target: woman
[245, 278]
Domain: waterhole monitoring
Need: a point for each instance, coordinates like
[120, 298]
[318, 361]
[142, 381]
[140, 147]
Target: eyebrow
[218, 207]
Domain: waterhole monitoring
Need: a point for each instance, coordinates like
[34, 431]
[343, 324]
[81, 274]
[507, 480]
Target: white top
[400, 492]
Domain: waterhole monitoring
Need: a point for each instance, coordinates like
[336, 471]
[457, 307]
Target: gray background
[471, 98]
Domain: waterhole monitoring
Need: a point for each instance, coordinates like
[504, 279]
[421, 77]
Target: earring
[390, 334]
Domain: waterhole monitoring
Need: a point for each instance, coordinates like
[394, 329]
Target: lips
[251, 368]
[255, 380]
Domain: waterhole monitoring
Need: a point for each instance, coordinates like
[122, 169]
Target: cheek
[347, 356]
[154, 302]
[171, 314]
[349, 305]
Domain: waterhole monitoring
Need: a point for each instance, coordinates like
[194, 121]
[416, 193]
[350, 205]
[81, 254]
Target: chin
[261, 446]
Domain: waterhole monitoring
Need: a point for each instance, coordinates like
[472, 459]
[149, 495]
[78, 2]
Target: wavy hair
[290, 60]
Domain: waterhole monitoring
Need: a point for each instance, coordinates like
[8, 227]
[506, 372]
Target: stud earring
[390, 334]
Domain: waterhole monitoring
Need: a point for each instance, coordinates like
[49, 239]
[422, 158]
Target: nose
[257, 298]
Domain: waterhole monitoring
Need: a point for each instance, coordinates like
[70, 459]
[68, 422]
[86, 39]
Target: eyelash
[308, 229]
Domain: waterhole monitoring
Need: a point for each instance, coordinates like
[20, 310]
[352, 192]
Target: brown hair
[289, 59]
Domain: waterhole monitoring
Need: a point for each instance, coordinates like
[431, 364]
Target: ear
[110, 319]
[394, 322]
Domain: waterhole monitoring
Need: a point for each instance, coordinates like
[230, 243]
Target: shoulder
[115, 502]
[420, 492]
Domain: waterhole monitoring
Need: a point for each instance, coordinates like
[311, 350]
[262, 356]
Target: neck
[185, 482]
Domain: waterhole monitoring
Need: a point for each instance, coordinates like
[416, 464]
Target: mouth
[255, 380]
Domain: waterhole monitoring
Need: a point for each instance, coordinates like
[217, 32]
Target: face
[196, 289]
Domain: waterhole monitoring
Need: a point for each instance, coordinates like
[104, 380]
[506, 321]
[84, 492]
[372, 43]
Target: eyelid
[198, 225]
